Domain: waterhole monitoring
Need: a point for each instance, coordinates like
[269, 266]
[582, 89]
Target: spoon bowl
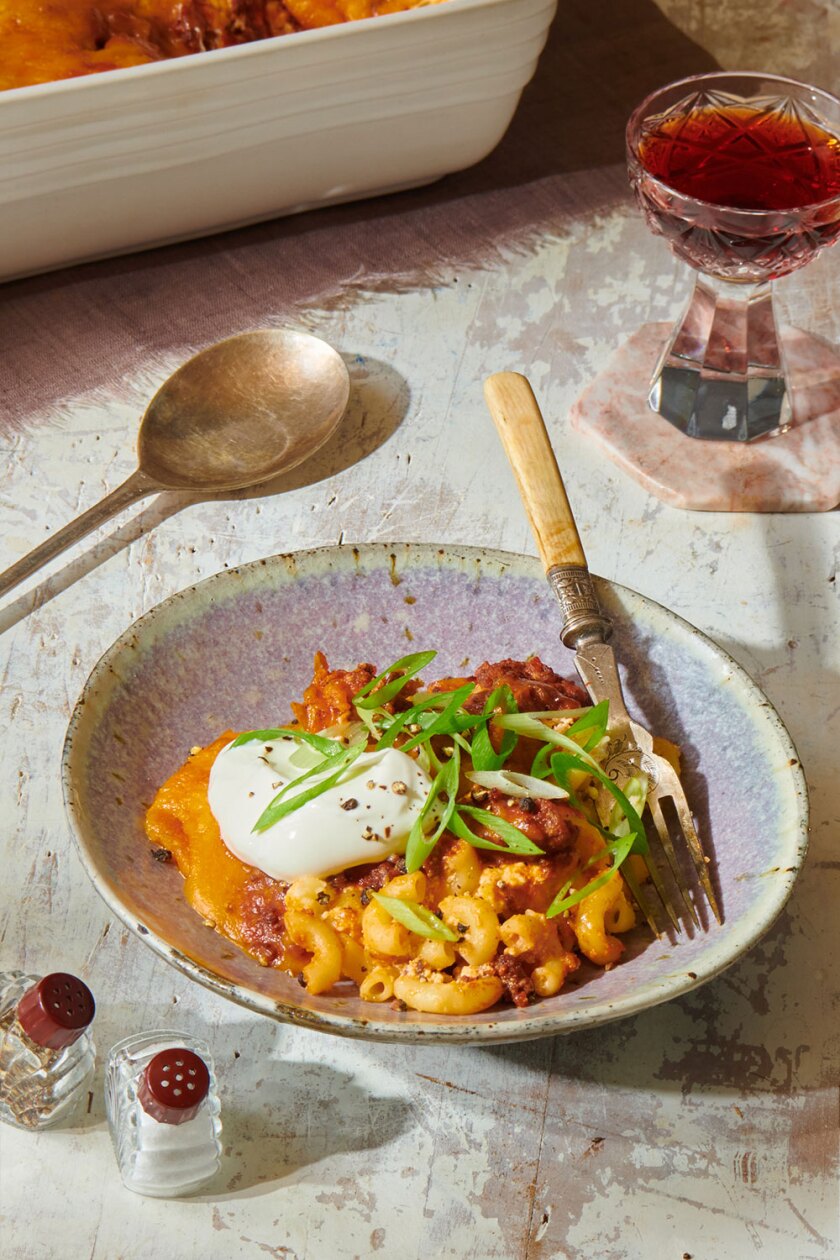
[242, 411]
[235, 415]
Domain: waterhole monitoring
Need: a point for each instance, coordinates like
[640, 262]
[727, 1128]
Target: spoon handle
[517, 417]
[135, 487]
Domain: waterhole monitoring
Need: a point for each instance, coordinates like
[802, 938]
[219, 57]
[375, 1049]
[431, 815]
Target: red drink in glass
[741, 174]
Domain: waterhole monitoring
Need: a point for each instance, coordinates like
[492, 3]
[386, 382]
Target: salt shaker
[46, 1050]
[163, 1113]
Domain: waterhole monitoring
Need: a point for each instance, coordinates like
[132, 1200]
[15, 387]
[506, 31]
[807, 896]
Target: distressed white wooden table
[706, 1127]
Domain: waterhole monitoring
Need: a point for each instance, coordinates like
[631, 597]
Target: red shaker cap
[174, 1085]
[56, 1011]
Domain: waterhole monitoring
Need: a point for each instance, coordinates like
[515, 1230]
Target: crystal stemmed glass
[741, 174]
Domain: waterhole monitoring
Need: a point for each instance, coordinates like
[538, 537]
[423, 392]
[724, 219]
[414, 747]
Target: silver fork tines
[665, 786]
[631, 752]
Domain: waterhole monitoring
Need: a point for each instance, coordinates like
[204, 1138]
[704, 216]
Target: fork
[521, 427]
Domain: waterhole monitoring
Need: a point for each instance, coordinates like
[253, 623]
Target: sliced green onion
[283, 804]
[318, 742]
[419, 844]
[434, 699]
[561, 903]
[422, 714]
[525, 725]
[561, 892]
[443, 723]
[594, 720]
[304, 757]
[548, 715]
[515, 840]
[615, 844]
[540, 768]
[427, 760]
[331, 738]
[517, 784]
[635, 789]
[484, 755]
[561, 763]
[406, 667]
[372, 719]
[459, 828]
[416, 918]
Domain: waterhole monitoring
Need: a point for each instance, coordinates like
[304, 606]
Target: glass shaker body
[39, 1085]
[156, 1158]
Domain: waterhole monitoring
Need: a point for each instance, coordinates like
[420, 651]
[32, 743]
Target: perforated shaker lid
[174, 1085]
[56, 1011]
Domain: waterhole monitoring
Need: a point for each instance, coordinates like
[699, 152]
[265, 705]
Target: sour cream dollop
[364, 817]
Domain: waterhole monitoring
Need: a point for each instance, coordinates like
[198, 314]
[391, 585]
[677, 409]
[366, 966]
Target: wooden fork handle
[517, 417]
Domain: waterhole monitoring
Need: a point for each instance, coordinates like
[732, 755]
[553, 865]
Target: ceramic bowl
[233, 650]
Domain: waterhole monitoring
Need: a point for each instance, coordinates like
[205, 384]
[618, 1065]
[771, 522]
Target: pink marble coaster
[796, 472]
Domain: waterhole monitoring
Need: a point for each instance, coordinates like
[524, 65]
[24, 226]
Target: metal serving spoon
[235, 415]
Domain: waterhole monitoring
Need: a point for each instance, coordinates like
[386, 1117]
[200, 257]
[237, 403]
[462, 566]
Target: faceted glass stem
[721, 376]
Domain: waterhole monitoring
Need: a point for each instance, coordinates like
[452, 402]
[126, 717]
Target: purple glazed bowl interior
[232, 652]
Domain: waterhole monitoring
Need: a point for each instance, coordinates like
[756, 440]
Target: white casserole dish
[138, 157]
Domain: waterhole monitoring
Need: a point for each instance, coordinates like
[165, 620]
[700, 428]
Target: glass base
[721, 376]
[799, 472]
[720, 410]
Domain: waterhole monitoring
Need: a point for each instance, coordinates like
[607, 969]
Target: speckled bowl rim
[384, 556]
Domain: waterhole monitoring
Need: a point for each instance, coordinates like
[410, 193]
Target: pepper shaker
[163, 1113]
[46, 1050]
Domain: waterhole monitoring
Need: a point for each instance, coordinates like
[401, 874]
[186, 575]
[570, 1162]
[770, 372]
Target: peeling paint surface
[706, 1127]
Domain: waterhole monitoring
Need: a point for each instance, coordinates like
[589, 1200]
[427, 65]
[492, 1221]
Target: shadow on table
[562, 157]
[305, 1112]
[379, 401]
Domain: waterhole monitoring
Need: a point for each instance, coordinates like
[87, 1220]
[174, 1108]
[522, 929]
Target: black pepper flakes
[162, 855]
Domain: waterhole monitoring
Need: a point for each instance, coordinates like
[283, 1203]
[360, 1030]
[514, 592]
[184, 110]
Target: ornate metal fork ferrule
[582, 616]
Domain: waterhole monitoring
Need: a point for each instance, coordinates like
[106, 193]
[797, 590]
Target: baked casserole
[41, 42]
